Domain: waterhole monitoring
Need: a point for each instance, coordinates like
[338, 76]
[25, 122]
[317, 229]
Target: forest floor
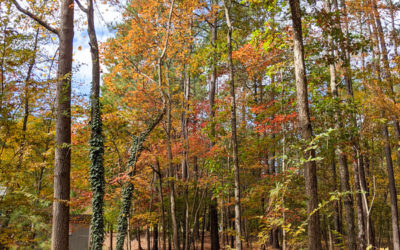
[135, 245]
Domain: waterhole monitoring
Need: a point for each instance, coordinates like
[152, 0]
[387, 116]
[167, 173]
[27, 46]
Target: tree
[96, 136]
[60, 232]
[227, 7]
[310, 167]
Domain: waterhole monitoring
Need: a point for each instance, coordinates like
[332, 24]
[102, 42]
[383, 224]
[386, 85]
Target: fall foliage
[221, 124]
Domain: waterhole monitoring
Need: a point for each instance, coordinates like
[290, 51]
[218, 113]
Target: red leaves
[274, 124]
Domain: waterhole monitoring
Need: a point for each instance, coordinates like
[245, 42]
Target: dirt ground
[134, 244]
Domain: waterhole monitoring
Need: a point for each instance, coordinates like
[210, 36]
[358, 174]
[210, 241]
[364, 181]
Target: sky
[104, 16]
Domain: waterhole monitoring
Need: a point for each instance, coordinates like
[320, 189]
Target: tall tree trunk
[97, 180]
[164, 225]
[127, 191]
[385, 132]
[60, 224]
[359, 206]
[392, 188]
[148, 240]
[185, 161]
[137, 145]
[354, 138]
[155, 237]
[344, 171]
[111, 237]
[203, 225]
[336, 206]
[171, 182]
[227, 7]
[138, 238]
[396, 53]
[27, 84]
[214, 236]
[334, 93]
[310, 167]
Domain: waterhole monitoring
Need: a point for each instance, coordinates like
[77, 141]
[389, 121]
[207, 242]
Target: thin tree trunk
[214, 237]
[111, 237]
[359, 207]
[155, 237]
[392, 188]
[336, 207]
[171, 175]
[96, 137]
[396, 53]
[227, 7]
[334, 92]
[185, 161]
[27, 85]
[148, 240]
[385, 131]
[203, 228]
[138, 238]
[344, 170]
[162, 205]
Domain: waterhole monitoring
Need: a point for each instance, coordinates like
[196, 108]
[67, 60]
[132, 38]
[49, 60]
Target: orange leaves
[274, 124]
[257, 57]
[252, 58]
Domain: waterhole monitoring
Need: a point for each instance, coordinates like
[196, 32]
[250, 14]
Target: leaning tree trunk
[310, 167]
[127, 191]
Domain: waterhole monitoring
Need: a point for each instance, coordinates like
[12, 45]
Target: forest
[199, 124]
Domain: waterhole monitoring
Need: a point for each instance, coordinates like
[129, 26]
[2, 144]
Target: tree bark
[392, 188]
[171, 182]
[155, 237]
[162, 205]
[60, 225]
[310, 167]
[385, 131]
[344, 170]
[185, 161]
[227, 7]
[214, 236]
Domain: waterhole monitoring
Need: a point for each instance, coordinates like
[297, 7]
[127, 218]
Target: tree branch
[168, 31]
[34, 17]
[139, 71]
[81, 6]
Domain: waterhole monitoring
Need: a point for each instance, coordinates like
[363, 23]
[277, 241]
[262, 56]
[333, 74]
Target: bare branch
[168, 30]
[81, 6]
[140, 72]
[34, 17]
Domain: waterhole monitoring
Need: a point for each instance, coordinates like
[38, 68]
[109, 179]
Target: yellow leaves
[79, 48]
